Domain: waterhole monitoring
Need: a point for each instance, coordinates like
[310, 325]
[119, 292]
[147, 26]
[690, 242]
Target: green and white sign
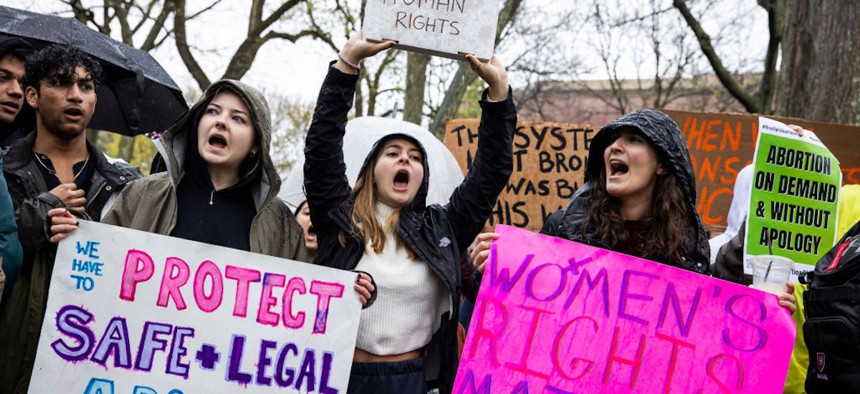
[795, 197]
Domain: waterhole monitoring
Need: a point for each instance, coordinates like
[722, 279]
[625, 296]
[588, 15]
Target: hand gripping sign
[794, 198]
[447, 28]
[131, 312]
[555, 316]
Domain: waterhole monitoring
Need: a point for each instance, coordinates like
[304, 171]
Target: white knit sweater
[408, 303]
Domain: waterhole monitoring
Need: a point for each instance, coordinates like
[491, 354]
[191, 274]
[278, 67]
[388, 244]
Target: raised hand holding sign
[448, 28]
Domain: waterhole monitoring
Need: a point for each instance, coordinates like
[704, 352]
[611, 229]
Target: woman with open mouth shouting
[639, 195]
[220, 186]
[303, 216]
[383, 226]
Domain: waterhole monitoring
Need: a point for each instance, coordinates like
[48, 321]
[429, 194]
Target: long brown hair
[363, 214]
[668, 224]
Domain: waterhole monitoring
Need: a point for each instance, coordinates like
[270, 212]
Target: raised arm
[473, 201]
[324, 170]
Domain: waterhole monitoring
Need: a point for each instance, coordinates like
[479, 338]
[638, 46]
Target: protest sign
[555, 316]
[794, 198]
[720, 146]
[447, 28]
[134, 312]
[549, 165]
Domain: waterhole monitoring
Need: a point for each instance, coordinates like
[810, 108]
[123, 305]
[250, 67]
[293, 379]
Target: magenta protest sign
[134, 312]
[554, 316]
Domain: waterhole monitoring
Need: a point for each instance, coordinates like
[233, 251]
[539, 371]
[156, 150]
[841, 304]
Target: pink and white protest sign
[555, 316]
[134, 312]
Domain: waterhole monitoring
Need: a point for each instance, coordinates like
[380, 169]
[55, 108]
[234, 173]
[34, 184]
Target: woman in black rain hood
[639, 195]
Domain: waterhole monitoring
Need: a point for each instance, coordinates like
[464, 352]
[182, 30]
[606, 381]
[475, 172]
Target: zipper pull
[211, 196]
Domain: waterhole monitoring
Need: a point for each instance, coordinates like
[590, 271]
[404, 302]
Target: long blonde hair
[363, 214]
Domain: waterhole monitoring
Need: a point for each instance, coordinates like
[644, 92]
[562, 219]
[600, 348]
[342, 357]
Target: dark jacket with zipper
[22, 313]
[668, 141]
[436, 234]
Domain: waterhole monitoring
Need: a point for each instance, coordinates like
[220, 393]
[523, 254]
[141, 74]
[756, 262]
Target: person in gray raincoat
[220, 186]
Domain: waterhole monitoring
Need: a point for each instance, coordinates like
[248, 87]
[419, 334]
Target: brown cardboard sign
[550, 158]
[549, 165]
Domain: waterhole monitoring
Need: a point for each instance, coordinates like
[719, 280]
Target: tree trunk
[416, 79]
[759, 101]
[243, 58]
[820, 75]
[126, 148]
[464, 75]
[184, 50]
[453, 96]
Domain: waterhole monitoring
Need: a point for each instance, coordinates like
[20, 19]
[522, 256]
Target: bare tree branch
[729, 82]
[185, 54]
[776, 15]
[464, 76]
[151, 41]
[279, 13]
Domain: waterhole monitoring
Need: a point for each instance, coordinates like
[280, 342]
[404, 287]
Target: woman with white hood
[407, 339]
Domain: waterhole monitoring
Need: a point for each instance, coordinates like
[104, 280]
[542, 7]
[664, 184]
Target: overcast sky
[285, 69]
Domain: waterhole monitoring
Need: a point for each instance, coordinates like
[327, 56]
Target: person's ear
[32, 96]
[660, 169]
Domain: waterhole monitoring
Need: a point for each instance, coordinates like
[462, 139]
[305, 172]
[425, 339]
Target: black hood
[662, 132]
[667, 139]
[420, 200]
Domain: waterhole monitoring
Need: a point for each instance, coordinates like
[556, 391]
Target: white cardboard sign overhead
[447, 28]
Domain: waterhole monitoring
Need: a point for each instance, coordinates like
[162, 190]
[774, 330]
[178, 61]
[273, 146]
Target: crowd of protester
[414, 262]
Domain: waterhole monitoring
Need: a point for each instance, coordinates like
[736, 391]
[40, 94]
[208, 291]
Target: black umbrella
[137, 96]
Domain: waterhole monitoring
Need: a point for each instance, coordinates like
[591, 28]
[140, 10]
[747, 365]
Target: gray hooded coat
[669, 142]
[151, 204]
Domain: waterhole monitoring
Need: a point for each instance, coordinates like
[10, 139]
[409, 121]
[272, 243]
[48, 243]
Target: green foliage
[469, 107]
[139, 151]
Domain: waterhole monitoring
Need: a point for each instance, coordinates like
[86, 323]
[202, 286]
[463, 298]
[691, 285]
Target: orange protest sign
[550, 159]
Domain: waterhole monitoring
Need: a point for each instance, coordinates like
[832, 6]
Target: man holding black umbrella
[52, 167]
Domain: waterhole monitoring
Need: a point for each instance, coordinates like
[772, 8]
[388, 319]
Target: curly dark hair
[18, 53]
[58, 63]
[668, 224]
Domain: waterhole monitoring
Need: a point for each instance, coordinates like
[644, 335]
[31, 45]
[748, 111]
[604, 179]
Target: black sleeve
[550, 226]
[472, 202]
[325, 179]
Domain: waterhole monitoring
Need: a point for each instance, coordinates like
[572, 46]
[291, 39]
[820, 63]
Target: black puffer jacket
[437, 234]
[666, 137]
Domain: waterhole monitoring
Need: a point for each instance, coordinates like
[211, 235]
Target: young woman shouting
[383, 226]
